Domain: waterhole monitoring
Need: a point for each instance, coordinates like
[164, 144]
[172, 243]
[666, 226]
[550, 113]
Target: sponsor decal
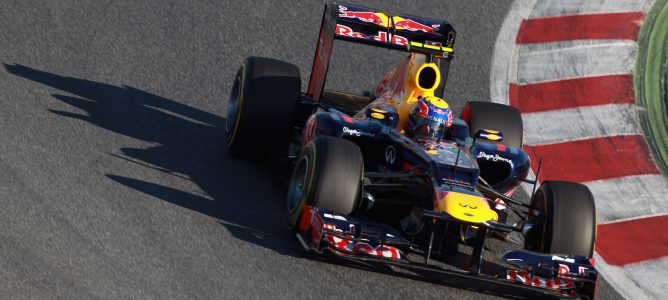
[381, 19]
[583, 271]
[411, 25]
[559, 258]
[378, 116]
[390, 154]
[359, 247]
[349, 131]
[494, 157]
[499, 204]
[381, 36]
[491, 136]
[364, 16]
[439, 120]
[336, 217]
[384, 169]
[532, 280]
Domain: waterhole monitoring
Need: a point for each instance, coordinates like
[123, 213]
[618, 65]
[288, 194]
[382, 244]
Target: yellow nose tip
[465, 207]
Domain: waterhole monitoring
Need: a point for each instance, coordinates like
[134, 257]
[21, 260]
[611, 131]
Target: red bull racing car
[392, 178]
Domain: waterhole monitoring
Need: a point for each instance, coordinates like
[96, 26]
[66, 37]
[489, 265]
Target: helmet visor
[427, 129]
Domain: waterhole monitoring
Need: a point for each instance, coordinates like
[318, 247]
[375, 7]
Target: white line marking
[633, 218]
[504, 60]
[651, 276]
[618, 278]
[580, 123]
[572, 45]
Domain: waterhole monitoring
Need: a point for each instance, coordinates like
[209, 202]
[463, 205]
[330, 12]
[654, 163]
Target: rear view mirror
[489, 135]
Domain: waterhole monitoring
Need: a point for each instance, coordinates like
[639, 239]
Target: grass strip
[650, 81]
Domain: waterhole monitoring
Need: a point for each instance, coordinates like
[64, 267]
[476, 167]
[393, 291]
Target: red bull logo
[410, 25]
[365, 16]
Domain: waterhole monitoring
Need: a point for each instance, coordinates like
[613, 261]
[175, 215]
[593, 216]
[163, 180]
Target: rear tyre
[328, 174]
[262, 105]
[564, 218]
[495, 116]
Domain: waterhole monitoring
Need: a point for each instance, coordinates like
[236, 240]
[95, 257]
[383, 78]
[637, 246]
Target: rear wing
[371, 27]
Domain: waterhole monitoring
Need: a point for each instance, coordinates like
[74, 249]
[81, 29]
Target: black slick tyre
[328, 174]
[563, 218]
[495, 116]
[262, 105]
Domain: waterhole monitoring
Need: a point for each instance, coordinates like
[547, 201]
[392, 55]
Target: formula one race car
[392, 176]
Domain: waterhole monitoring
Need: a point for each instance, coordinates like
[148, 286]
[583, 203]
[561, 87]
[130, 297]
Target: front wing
[322, 231]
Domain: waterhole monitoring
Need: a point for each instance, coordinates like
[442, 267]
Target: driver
[429, 121]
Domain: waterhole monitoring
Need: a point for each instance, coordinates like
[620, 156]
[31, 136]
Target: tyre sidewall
[269, 96]
[567, 221]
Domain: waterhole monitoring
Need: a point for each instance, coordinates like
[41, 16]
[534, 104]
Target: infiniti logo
[390, 154]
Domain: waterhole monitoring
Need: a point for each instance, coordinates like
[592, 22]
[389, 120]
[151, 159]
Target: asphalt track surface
[114, 178]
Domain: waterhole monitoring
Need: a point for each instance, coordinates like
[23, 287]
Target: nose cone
[465, 207]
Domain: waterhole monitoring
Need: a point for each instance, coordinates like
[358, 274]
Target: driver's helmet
[429, 119]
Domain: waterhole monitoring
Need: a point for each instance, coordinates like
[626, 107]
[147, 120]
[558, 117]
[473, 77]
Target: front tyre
[328, 174]
[262, 105]
[563, 218]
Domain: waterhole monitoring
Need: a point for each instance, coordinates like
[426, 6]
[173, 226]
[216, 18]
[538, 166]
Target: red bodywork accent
[554, 284]
[312, 225]
[424, 109]
[310, 129]
[322, 55]
[466, 113]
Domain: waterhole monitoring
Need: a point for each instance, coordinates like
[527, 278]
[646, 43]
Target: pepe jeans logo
[390, 154]
[354, 132]
[494, 157]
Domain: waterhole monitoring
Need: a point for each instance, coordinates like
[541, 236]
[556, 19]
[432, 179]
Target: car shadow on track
[185, 142]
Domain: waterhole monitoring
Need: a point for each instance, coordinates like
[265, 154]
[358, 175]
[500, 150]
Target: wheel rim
[297, 184]
[233, 106]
